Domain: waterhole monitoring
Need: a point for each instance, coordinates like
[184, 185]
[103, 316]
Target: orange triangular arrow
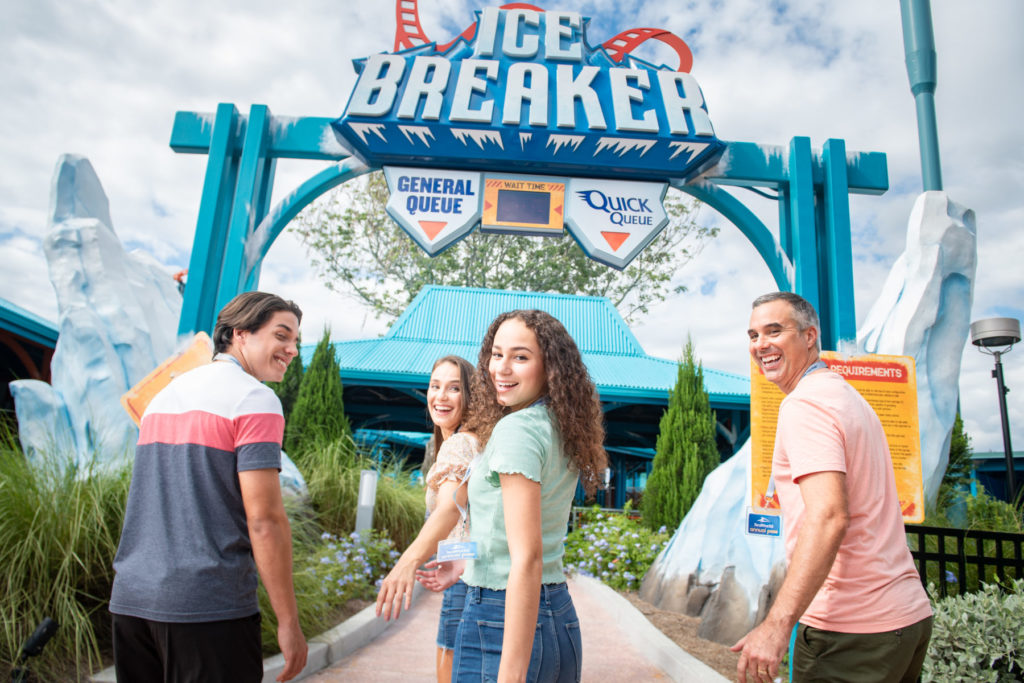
[432, 228]
[614, 239]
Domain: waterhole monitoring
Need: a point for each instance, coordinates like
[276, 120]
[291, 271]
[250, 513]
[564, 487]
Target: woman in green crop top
[539, 419]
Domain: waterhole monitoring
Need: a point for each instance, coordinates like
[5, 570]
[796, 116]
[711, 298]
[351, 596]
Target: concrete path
[619, 645]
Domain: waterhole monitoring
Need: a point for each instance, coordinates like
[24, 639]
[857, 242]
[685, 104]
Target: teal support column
[800, 197]
[250, 199]
[199, 308]
[785, 227]
[837, 247]
[919, 49]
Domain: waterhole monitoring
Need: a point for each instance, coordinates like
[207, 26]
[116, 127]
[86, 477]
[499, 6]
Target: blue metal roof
[453, 320]
[18, 321]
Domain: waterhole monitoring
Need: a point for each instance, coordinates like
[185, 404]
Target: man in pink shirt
[851, 588]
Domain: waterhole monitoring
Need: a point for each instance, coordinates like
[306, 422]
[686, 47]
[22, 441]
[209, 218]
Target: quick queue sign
[528, 93]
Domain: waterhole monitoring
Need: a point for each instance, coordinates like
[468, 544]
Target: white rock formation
[118, 319]
[118, 315]
[924, 312]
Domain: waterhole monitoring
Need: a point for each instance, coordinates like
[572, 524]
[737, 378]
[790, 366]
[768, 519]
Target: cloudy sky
[104, 79]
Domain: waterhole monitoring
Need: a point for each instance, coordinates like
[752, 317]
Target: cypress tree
[685, 452]
[318, 415]
[287, 389]
[957, 477]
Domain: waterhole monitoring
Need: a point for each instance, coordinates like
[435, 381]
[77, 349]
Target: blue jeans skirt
[557, 648]
[451, 614]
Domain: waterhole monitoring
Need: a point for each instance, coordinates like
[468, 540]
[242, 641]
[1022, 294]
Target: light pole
[996, 336]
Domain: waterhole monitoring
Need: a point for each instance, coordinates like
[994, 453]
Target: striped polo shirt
[185, 554]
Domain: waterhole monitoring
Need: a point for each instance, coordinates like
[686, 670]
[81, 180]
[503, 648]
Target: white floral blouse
[453, 459]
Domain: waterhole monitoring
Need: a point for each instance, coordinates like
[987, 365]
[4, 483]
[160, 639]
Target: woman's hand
[397, 586]
[400, 581]
[439, 576]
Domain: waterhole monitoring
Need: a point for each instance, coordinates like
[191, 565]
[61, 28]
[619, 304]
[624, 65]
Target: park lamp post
[996, 336]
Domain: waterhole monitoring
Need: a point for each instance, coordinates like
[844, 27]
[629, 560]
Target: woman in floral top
[448, 399]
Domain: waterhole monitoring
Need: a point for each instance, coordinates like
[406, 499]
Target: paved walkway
[619, 645]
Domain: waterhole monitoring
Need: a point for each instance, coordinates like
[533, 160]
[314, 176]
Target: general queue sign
[527, 96]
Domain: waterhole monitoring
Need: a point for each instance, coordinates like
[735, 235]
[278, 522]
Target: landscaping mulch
[682, 630]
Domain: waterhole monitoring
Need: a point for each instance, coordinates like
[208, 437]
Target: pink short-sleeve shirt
[826, 426]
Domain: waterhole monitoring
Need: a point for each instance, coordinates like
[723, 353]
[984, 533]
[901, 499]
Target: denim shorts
[451, 614]
[557, 648]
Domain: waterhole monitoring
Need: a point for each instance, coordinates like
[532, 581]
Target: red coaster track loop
[627, 41]
[409, 34]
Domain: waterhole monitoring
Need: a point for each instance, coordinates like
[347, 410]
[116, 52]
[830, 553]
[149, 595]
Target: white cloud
[104, 79]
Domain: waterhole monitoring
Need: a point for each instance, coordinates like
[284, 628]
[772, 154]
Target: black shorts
[154, 651]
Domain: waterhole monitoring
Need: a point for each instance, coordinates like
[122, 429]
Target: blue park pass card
[763, 524]
[456, 550]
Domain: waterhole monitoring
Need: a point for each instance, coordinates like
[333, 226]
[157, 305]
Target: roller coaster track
[409, 34]
[627, 41]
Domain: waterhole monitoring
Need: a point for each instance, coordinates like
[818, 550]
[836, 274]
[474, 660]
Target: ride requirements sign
[526, 93]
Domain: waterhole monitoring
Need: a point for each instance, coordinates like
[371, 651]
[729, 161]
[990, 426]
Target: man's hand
[761, 650]
[439, 576]
[294, 648]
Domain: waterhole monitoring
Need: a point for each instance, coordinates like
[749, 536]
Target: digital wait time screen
[528, 205]
[523, 206]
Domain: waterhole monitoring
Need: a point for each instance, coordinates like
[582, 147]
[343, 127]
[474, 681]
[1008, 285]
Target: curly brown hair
[572, 396]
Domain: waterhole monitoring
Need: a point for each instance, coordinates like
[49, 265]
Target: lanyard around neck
[816, 365]
[228, 357]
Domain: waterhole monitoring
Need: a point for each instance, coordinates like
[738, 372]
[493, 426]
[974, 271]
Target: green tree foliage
[685, 451]
[958, 470]
[287, 389]
[356, 246]
[318, 415]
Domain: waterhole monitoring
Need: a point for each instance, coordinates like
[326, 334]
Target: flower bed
[613, 548]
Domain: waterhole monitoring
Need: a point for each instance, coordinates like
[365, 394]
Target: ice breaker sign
[436, 208]
[526, 92]
[613, 220]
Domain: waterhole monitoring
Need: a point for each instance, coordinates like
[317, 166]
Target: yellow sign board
[135, 400]
[888, 384]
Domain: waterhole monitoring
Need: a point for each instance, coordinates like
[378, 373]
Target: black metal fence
[958, 561]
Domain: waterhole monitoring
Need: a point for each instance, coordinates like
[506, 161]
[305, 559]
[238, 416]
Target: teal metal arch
[811, 254]
[780, 266]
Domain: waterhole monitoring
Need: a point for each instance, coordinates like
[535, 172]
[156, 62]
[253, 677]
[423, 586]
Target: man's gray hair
[803, 312]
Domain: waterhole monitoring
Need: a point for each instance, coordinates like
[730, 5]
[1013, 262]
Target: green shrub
[318, 415]
[332, 476]
[329, 571]
[685, 451]
[59, 529]
[991, 514]
[978, 636]
[613, 548]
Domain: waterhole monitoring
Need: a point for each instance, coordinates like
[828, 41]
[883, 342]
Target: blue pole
[919, 48]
